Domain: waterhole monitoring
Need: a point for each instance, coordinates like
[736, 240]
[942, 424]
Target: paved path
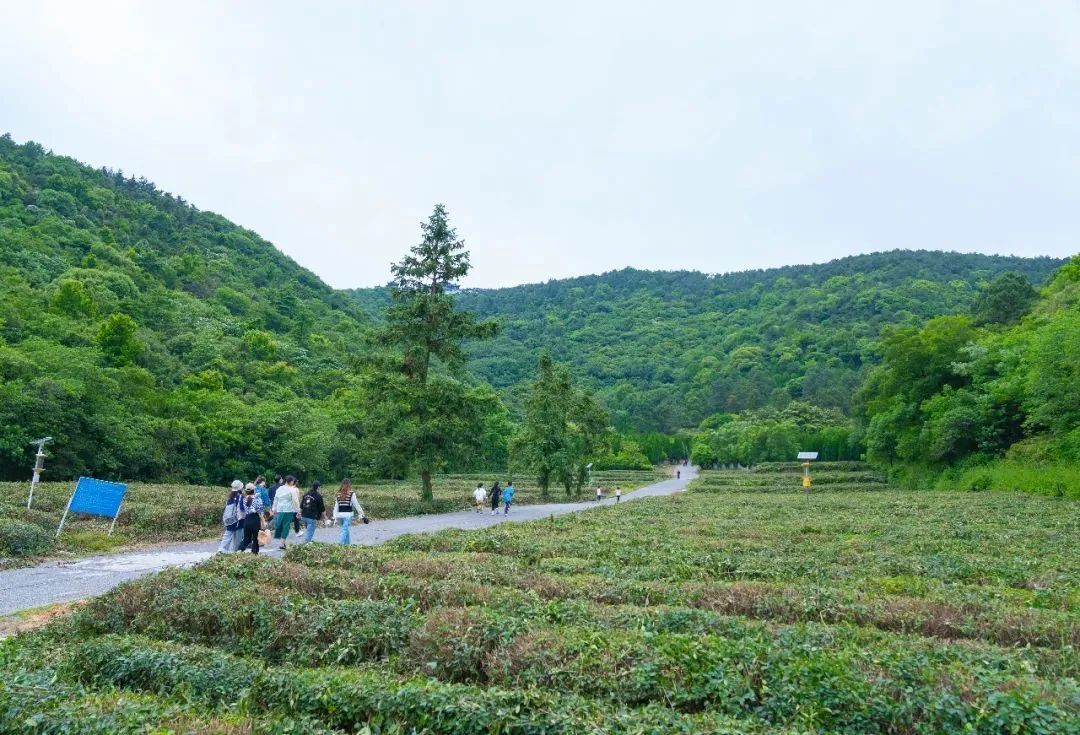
[22, 589]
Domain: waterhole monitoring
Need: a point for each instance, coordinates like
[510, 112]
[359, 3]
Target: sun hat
[237, 485]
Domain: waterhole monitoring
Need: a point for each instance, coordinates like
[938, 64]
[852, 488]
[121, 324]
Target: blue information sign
[95, 497]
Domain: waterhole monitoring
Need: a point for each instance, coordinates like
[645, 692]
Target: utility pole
[39, 466]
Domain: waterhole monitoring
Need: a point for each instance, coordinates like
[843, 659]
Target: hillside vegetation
[664, 350]
[153, 340]
[708, 612]
[989, 399]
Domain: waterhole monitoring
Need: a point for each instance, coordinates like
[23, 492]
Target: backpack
[231, 516]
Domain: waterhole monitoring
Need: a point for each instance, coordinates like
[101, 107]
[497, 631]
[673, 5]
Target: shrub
[18, 538]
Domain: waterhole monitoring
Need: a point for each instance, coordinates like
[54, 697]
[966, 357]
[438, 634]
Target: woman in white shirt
[286, 506]
[344, 505]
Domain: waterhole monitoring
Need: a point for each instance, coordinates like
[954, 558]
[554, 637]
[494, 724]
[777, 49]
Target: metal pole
[39, 467]
[64, 517]
[115, 517]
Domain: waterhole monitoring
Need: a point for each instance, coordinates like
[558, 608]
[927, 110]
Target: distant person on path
[479, 496]
[508, 497]
[599, 493]
[345, 503]
[251, 506]
[618, 494]
[231, 520]
[286, 504]
[312, 508]
[496, 496]
[678, 474]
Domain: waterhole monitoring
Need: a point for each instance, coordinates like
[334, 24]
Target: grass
[166, 513]
[757, 611]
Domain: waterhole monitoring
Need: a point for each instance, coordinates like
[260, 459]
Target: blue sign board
[97, 497]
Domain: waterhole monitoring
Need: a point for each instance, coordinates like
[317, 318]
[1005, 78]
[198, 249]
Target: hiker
[599, 493]
[312, 508]
[618, 494]
[272, 491]
[251, 506]
[479, 496]
[231, 519]
[508, 497]
[286, 503]
[496, 495]
[344, 505]
[262, 492]
[678, 474]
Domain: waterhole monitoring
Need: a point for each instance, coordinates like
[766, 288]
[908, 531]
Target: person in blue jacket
[508, 496]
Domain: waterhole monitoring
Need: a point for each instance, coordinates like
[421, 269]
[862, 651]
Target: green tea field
[166, 513]
[757, 611]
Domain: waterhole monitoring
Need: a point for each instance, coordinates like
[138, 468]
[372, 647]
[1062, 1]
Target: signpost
[95, 497]
[39, 466]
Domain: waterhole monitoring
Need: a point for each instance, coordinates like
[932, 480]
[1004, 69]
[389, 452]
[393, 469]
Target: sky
[568, 138]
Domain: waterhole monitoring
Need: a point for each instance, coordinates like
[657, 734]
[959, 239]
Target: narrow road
[46, 584]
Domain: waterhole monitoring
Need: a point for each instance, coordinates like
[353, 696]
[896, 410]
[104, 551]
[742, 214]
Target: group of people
[253, 511]
[481, 497]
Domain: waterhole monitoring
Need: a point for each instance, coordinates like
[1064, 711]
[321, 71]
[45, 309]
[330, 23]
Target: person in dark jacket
[272, 490]
[312, 509]
[251, 507]
[496, 496]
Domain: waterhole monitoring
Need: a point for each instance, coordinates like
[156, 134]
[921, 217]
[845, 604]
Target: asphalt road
[46, 584]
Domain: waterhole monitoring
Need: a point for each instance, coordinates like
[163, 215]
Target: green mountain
[667, 349]
[154, 340]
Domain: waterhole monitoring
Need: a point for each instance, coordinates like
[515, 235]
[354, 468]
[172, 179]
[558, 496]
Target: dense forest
[157, 341]
[665, 350]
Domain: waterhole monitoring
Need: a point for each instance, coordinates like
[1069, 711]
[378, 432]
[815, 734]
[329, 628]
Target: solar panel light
[39, 465]
[807, 458]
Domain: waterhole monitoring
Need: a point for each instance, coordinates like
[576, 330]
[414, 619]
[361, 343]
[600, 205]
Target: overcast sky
[573, 138]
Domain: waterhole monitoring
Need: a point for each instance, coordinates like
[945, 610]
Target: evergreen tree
[439, 415]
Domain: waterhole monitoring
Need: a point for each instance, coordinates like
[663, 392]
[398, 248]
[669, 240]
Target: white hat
[237, 485]
[249, 486]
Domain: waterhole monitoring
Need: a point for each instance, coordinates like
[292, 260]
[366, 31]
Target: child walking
[479, 496]
[618, 494]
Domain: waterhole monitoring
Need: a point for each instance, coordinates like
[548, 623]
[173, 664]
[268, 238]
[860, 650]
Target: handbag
[264, 537]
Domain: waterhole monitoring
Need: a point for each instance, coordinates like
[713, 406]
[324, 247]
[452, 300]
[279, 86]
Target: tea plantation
[742, 606]
[163, 513]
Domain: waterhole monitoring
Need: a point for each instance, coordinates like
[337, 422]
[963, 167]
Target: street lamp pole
[39, 466]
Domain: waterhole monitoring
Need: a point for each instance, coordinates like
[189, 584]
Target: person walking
[312, 508]
[230, 519]
[496, 495]
[286, 504]
[678, 474]
[618, 494]
[251, 506]
[599, 493]
[262, 492]
[479, 496]
[344, 504]
[272, 490]
[508, 497]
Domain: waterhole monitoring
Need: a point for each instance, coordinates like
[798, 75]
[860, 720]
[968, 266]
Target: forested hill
[667, 349]
[152, 339]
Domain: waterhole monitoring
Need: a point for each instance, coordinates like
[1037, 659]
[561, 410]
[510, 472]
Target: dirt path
[53, 582]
